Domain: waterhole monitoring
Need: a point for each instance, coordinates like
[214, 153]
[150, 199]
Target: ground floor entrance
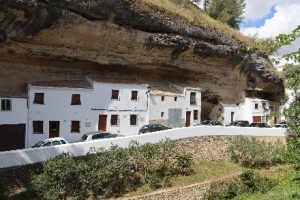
[53, 129]
[102, 123]
[12, 136]
[188, 119]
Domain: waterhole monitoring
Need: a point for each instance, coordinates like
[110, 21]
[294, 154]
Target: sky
[268, 18]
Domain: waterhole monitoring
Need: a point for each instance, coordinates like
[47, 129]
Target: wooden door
[188, 119]
[53, 129]
[256, 118]
[12, 137]
[232, 117]
[102, 122]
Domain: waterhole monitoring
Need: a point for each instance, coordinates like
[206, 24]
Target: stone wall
[209, 148]
[190, 192]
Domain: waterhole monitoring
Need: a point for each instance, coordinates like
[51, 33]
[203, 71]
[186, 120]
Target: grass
[196, 16]
[204, 171]
[286, 190]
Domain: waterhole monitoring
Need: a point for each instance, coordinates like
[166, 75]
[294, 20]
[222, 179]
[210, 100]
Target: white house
[59, 108]
[13, 120]
[166, 107]
[175, 106]
[252, 110]
[70, 108]
[119, 105]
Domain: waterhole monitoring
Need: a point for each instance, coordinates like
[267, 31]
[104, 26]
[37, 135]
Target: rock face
[58, 39]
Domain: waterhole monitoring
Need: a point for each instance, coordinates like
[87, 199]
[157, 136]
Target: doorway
[102, 122]
[188, 119]
[53, 129]
[256, 118]
[232, 117]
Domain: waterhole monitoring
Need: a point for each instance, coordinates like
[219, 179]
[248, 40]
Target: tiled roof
[12, 93]
[63, 83]
[117, 80]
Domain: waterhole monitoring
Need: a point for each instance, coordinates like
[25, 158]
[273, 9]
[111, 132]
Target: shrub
[250, 152]
[184, 164]
[110, 172]
[248, 182]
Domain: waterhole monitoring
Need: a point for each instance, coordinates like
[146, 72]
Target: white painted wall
[18, 113]
[190, 107]
[29, 156]
[246, 110]
[157, 106]
[94, 102]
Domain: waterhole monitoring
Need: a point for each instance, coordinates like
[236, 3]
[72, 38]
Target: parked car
[50, 142]
[152, 128]
[259, 125]
[210, 123]
[281, 125]
[239, 123]
[96, 135]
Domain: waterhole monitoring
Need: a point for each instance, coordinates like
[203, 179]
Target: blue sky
[258, 22]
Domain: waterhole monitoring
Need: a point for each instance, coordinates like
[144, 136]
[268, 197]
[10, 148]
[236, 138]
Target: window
[162, 98]
[38, 127]
[114, 120]
[133, 120]
[115, 94]
[175, 98]
[38, 98]
[264, 105]
[196, 115]
[54, 143]
[5, 104]
[256, 106]
[75, 99]
[75, 126]
[134, 95]
[162, 114]
[193, 98]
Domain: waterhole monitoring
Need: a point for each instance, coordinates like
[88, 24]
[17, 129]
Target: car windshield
[206, 122]
[39, 144]
[84, 137]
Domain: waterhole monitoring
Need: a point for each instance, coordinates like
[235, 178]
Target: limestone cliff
[55, 39]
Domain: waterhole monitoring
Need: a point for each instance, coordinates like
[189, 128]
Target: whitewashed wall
[196, 106]
[17, 114]
[157, 106]
[94, 102]
[245, 110]
[34, 155]
[57, 107]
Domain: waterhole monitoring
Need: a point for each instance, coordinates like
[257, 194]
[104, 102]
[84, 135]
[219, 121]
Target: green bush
[250, 152]
[110, 172]
[248, 182]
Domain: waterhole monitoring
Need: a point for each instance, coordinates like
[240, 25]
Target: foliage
[227, 11]
[184, 163]
[249, 182]
[110, 172]
[250, 152]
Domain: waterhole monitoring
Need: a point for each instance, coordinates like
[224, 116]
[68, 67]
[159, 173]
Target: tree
[227, 11]
[205, 3]
[292, 113]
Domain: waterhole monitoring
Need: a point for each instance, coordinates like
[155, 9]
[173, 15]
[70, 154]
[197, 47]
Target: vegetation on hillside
[196, 16]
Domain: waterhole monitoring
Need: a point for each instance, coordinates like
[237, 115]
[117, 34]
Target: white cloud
[256, 9]
[285, 19]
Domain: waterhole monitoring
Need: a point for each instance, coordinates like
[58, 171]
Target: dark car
[259, 125]
[210, 123]
[239, 123]
[152, 128]
[98, 135]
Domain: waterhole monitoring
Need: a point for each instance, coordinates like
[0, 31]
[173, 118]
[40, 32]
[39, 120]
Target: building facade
[252, 110]
[13, 121]
[175, 106]
[70, 108]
